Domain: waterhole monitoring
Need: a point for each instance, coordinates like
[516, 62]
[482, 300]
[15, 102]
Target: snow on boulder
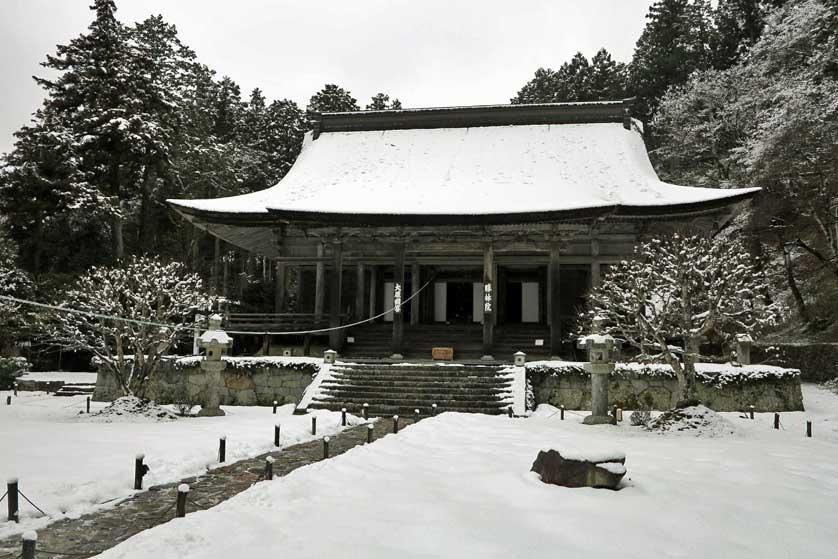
[598, 469]
[699, 421]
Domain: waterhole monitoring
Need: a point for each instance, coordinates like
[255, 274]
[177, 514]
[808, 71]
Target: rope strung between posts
[4, 496]
[19, 492]
[190, 326]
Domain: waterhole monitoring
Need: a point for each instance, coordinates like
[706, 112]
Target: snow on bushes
[693, 420]
[715, 375]
[251, 364]
[131, 408]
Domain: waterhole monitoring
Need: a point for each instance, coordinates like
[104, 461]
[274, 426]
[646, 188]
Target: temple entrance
[459, 298]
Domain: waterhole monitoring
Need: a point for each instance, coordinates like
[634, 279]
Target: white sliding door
[529, 301]
[440, 301]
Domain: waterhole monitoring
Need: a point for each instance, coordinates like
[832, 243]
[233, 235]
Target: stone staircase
[70, 389]
[399, 389]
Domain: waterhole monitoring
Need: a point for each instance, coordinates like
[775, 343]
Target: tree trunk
[790, 279]
[143, 232]
[690, 357]
[118, 242]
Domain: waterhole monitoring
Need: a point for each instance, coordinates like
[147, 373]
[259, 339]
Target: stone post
[215, 341]
[602, 356]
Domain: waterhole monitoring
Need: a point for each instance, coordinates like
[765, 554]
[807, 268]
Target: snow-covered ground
[69, 464]
[459, 485]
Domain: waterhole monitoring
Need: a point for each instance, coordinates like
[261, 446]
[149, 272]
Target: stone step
[425, 399]
[476, 382]
[435, 371]
[419, 390]
[408, 411]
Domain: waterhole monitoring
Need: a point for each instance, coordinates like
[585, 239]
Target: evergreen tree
[332, 99]
[381, 102]
[675, 42]
[739, 25]
[578, 80]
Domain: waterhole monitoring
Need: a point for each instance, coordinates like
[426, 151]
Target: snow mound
[131, 409]
[699, 421]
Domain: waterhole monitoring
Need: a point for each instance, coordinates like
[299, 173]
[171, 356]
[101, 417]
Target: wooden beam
[489, 300]
[554, 291]
[336, 336]
[596, 271]
[398, 296]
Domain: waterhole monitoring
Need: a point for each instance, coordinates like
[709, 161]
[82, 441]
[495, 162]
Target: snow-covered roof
[471, 171]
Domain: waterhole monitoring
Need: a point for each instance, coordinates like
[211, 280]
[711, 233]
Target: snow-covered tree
[687, 290]
[14, 282]
[162, 300]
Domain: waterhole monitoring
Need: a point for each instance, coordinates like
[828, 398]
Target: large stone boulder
[580, 469]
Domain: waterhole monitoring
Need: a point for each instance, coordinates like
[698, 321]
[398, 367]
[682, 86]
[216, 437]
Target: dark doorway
[513, 308]
[459, 301]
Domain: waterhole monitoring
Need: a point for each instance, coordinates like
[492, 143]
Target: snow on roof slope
[476, 171]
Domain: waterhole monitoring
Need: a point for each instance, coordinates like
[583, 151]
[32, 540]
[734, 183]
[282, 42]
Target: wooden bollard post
[314, 425]
[140, 470]
[619, 415]
[751, 409]
[15, 388]
[561, 413]
[276, 435]
[365, 410]
[416, 415]
[269, 467]
[433, 409]
[370, 429]
[87, 407]
[222, 449]
[8, 400]
[395, 423]
[325, 447]
[509, 412]
[182, 494]
[776, 420]
[343, 417]
[12, 499]
[809, 429]
[30, 540]
[275, 404]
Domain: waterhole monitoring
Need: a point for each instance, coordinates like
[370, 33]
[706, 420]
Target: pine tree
[381, 102]
[332, 99]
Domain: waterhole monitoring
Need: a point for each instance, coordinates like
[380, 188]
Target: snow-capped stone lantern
[215, 341]
[330, 356]
[519, 359]
[603, 352]
[743, 348]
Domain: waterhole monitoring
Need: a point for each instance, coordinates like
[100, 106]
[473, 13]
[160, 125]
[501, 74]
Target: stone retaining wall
[245, 382]
[632, 390]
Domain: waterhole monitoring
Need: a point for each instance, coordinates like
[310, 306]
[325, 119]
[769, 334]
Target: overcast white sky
[425, 52]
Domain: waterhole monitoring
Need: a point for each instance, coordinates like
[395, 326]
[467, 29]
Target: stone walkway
[93, 533]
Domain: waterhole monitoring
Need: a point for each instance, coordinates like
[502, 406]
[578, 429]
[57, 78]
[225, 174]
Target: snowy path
[459, 486]
[69, 465]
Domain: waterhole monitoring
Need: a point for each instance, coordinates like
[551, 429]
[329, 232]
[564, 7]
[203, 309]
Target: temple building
[503, 216]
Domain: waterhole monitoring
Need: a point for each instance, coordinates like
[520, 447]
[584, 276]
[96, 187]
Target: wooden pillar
[336, 336]
[216, 257]
[398, 296]
[359, 292]
[415, 279]
[489, 300]
[319, 284]
[280, 281]
[555, 296]
[280, 293]
[373, 290]
[596, 272]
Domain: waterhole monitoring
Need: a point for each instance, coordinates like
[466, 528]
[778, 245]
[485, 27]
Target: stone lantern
[215, 341]
[603, 352]
[743, 349]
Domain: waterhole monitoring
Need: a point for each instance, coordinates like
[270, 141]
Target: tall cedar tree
[332, 98]
[381, 102]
